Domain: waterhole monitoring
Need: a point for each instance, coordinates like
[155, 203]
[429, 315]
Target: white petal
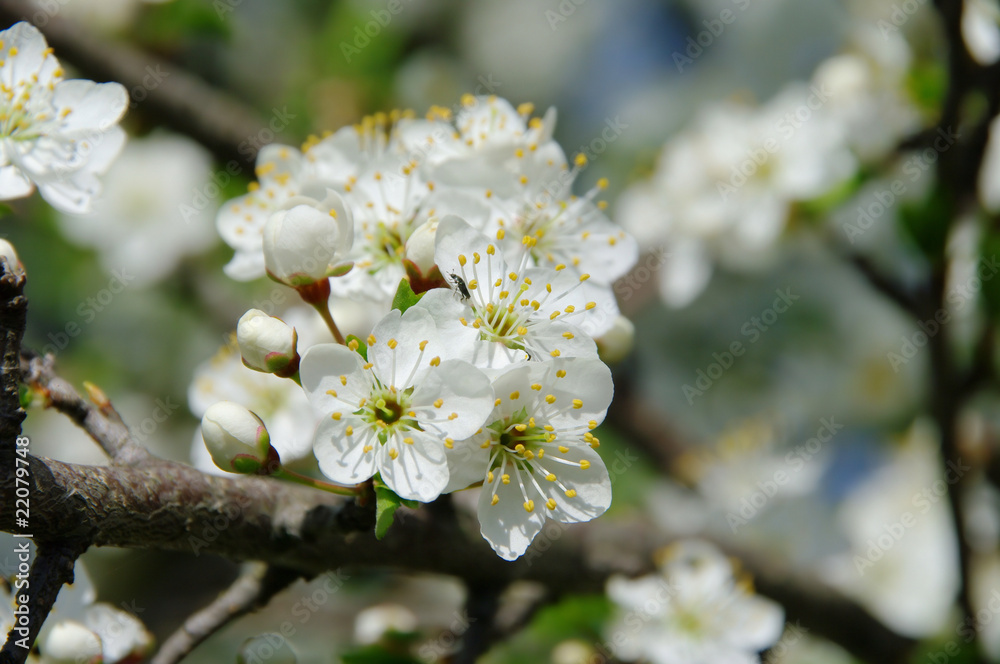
[466, 399]
[507, 526]
[343, 458]
[420, 469]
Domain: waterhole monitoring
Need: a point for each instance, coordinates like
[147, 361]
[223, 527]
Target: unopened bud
[420, 246]
[69, 642]
[303, 244]
[236, 438]
[267, 344]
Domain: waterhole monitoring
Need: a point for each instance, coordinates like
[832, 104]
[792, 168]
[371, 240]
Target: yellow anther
[592, 424]
[561, 373]
[551, 477]
[367, 366]
[568, 335]
[563, 449]
[584, 464]
[332, 393]
[449, 443]
[500, 234]
[555, 353]
[476, 258]
[505, 478]
[349, 430]
[580, 160]
[408, 440]
[393, 453]
[353, 344]
[551, 503]
[577, 403]
[438, 403]
[571, 493]
[550, 398]
[529, 506]
[602, 183]
[536, 386]
[453, 416]
[527, 108]
[435, 361]
[371, 339]
[462, 260]
[392, 343]
[498, 401]
[336, 416]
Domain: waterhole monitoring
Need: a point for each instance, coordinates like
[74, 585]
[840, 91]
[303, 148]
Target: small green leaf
[386, 504]
[377, 654]
[25, 395]
[362, 348]
[405, 297]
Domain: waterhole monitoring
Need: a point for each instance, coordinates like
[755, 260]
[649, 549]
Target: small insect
[460, 285]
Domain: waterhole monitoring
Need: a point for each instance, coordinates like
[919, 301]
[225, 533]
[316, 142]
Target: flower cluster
[56, 134]
[725, 189]
[485, 372]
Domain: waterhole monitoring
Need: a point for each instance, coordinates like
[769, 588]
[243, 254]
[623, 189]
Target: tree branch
[13, 319]
[252, 590]
[51, 568]
[171, 96]
[102, 422]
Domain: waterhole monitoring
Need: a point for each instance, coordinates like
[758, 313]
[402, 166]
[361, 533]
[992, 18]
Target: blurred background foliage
[597, 61]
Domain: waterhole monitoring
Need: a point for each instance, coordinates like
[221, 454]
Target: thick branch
[252, 590]
[174, 507]
[13, 318]
[172, 97]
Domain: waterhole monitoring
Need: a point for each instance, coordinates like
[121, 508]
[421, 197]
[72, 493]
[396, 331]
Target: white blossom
[395, 413]
[536, 455]
[697, 610]
[56, 134]
[145, 221]
[504, 315]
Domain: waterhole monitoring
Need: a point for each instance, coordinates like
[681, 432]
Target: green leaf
[405, 297]
[362, 348]
[386, 504]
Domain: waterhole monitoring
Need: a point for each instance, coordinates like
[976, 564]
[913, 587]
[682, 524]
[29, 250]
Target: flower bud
[303, 244]
[69, 642]
[420, 246]
[270, 648]
[237, 439]
[615, 344]
[267, 344]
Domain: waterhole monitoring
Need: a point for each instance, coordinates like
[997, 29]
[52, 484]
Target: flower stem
[324, 312]
[291, 476]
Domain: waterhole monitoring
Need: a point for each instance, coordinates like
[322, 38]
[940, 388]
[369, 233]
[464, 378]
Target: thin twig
[13, 318]
[102, 422]
[251, 591]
